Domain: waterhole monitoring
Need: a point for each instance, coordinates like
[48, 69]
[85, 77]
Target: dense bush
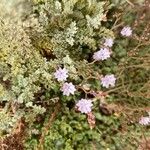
[74, 74]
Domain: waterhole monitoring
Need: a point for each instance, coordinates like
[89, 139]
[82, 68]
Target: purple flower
[109, 42]
[61, 74]
[126, 31]
[102, 54]
[68, 88]
[108, 80]
[84, 105]
[144, 121]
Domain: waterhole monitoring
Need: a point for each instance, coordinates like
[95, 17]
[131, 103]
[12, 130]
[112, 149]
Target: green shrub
[56, 34]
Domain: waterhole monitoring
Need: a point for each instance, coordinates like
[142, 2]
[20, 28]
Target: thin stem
[44, 133]
[115, 89]
[130, 3]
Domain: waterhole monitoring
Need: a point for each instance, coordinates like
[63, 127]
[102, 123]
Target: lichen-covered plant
[65, 59]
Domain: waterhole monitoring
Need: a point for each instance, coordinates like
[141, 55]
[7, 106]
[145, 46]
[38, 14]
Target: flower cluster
[108, 80]
[85, 105]
[68, 88]
[109, 42]
[126, 31]
[61, 74]
[102, 54]
[144, 121]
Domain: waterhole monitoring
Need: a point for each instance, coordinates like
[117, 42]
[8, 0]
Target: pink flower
[126, 31]
[68, 88]
[84, 105]
[108, 80]
[144, 121]
[61, 74]
[109, 42]
[102, 54]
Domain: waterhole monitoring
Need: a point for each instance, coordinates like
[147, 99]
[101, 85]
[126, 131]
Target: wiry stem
[44, 133]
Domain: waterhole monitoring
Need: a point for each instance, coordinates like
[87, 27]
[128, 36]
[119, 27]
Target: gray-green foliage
[59, 29]
[73, 23]
[19, 60]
